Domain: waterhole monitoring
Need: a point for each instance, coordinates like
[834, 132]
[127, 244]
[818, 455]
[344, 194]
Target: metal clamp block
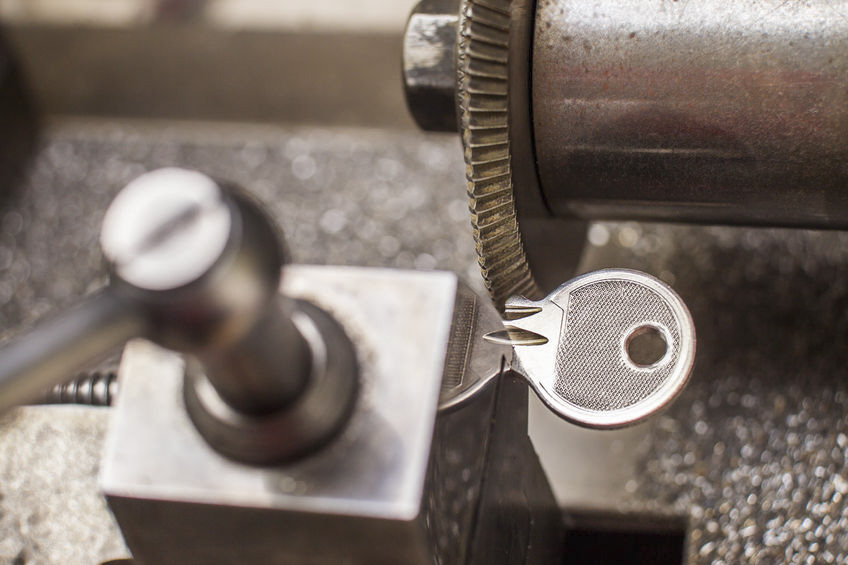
[371, 496]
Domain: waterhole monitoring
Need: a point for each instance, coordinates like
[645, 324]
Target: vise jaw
[403, 482]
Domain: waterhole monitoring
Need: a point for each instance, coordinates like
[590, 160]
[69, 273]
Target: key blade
[622, 346]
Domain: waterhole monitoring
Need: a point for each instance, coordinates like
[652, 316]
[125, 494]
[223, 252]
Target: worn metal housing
[398, 484]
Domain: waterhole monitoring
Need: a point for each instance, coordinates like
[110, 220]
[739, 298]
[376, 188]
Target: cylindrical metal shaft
[33, 362]
[195, 268]
[719, 111]
[265, 369]
[203, 263]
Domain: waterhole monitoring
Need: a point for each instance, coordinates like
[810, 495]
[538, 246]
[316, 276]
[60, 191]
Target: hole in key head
[646, 346]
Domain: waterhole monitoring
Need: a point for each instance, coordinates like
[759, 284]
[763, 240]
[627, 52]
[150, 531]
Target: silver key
[604, 350]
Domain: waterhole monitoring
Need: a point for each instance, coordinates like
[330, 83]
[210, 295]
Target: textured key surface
[592, 366]
[584, 371]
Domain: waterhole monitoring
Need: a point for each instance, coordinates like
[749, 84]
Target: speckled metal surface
[50, 511]
[753, 456]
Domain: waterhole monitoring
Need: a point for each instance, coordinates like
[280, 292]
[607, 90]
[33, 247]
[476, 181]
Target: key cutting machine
[270, 412]
[356, 415]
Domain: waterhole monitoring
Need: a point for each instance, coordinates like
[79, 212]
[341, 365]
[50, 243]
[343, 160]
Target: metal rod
[265, 369]
[43, 357]
[717, 111]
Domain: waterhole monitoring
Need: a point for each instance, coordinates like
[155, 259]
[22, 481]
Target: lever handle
[194, 266]
[33, 362]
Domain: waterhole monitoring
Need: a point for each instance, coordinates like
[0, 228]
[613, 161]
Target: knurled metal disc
[483, 100]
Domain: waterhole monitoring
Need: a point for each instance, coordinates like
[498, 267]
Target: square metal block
[372, 496]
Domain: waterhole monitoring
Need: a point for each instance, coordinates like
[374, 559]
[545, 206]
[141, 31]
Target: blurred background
[326, 61]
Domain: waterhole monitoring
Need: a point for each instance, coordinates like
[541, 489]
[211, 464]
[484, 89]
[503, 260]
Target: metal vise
[304, 425]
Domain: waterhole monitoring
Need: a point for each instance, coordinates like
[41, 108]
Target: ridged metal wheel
[483, 98]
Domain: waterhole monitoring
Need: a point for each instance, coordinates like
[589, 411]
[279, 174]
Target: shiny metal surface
[304, 424]
[512, 225]
[472, 361]
[196, 267]
[364, 498]
[274, 380]
[166, 229]
[94, 388]
[203, 261]
[708, 112]
[429, 64]
[575, 347]
[483, 58]
[605, 350]
[36, 360]
[191, 267]
[713, 111]
[50, 236]
[763, 414]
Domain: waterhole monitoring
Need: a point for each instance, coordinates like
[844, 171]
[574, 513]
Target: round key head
[604, 350]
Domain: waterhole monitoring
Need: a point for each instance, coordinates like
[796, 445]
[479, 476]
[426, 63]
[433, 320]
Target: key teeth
[513, 336]
[515, 310]
[520, 317]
